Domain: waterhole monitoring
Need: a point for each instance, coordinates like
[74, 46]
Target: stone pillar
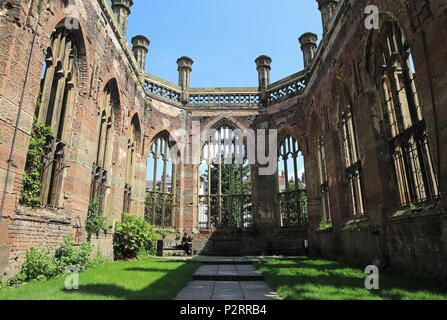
[266, 204]
[184, 76]
[327, 8]
[263, 66]
[140, 47]
[121, 8]
[308, 46]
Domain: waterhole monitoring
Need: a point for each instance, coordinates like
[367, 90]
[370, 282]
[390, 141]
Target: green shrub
[133, 237]
[67, 255]
[38, 266]
[164, 233]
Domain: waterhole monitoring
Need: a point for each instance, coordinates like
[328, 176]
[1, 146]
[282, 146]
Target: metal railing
[294, 209]
[225, 211]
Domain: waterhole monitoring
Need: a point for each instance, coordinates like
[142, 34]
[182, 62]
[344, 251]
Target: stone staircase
[227, 278]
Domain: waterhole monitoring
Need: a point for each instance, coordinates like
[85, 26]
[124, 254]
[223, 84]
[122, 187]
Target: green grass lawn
[313, 279]
[149, 279]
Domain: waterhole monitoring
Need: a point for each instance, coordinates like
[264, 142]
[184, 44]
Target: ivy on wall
[31, 184]
[95, 221]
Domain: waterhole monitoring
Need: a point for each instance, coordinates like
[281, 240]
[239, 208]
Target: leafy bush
[38, 266]
[133, 237]
[41, 265]
[164, 233]
[67, 255]
[95, 221]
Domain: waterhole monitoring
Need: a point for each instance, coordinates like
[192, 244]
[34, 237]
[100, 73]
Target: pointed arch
[318, 144]
[401, 116]
[109, 111]
[347, 132]
[134, 142]
[162, 189]
[63, 75]
[292, 188]
[225, 181]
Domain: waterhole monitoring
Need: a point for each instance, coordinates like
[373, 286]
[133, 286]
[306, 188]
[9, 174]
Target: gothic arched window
[225, 181]
[131, 157]
[101, 166]
[57, 98]
[162, 185]
[324, 180]
[292, 188]
[403, 121]
[351, 160]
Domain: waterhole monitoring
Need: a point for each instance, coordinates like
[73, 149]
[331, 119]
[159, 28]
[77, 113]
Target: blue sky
[224, 37]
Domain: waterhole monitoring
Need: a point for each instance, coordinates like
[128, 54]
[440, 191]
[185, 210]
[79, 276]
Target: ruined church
[367, 114]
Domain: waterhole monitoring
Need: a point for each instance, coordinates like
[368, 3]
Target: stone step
[227, 260]
[173, 253]
[227, 272]
[215, 290]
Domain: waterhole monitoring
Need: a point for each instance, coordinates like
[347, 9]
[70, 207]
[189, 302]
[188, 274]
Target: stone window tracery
[292, 188]
[58, 94]
[162, 189]
[101, 166]
[130, 165]
[403, 121]
[225, 184]
[352, 163]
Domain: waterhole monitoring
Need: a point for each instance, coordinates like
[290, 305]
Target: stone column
[263, 66]
[184, 76]
[140, 48]
[308, 46]
[121, 8]
[266, 205]
[327, 8]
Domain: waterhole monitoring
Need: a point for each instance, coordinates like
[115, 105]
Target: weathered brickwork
[343, 65]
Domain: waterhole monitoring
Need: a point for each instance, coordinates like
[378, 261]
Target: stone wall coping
[229, 90]
[170, 85]
[127, 51]
[325, 41]
[42, 215]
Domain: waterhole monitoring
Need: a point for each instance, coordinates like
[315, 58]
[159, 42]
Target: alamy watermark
[230, 146]
[72, 280]
[372, 281]
[72, 20]
[372, 21]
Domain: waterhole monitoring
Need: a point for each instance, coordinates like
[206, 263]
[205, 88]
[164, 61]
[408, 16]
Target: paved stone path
[227, 279]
